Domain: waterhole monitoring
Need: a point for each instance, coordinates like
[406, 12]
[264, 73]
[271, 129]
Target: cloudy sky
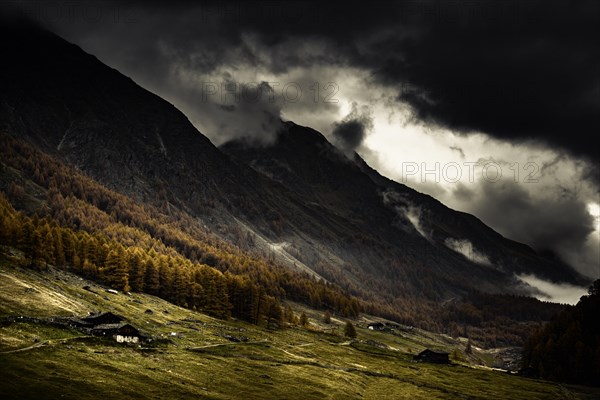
[489, 106]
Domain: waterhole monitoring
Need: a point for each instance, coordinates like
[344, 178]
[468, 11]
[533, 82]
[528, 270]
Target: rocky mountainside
[90, 116]
[300, 201]
[422, 228]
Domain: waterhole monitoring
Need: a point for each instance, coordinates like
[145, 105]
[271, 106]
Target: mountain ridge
[366, 188]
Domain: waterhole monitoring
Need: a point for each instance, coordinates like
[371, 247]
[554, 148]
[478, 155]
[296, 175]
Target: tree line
[567, 349]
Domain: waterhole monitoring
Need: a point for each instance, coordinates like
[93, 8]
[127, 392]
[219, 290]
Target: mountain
[73, 107]
[420, 226]
[299, 204]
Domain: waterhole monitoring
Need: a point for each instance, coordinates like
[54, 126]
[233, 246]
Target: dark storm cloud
[515, 70]
[564, 221]
[232, 109]
[349, 133]
[559, 222]
[529, 72]
[458, 150]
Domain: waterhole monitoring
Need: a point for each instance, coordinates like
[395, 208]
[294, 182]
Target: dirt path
[296, 356]
[40, 344]
[208, 346]
[33, 346]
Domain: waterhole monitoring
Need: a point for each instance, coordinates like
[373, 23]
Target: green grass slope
[194, 359]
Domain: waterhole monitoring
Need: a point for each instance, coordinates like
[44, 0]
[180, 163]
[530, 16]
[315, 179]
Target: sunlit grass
[198, 362]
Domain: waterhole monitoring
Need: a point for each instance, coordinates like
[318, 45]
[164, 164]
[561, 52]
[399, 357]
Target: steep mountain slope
[466, 234]
[71, 105]
[302, 204]
[74, 108]
[306, 163]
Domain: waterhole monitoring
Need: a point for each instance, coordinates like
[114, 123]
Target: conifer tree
[68, 245]
[137, 271]
[221, 308]
[349, 330]
[468, 348]
[179, 287]
[274, 314]
[88, 269]
[289, 314]
[165, 275]
[59, 255]
[115, 271]
[196, 296]
[29, 241]
[151, 278]
[47, 245]
[303, 319]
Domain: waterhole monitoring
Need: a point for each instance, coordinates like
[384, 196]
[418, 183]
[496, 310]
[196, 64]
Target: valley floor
[193, 355]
